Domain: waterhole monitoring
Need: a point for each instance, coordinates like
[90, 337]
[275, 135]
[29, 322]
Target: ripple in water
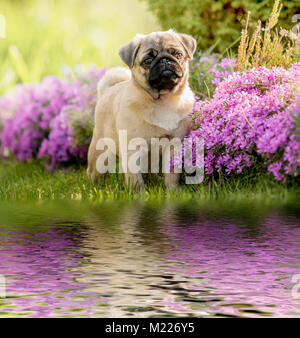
[134, 260]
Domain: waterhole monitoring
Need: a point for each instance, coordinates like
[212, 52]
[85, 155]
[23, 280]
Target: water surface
[149, 260]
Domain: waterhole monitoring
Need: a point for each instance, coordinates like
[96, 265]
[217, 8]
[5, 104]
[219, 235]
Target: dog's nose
[165, 61]
[166, 68]
[163, 74]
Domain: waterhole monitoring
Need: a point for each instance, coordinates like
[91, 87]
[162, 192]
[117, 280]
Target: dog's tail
[111, 77]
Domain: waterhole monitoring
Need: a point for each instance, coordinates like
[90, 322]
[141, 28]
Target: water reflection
[145, 260]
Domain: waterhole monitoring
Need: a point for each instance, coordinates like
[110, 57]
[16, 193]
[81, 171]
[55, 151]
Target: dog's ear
[189, 43]
[129, 51]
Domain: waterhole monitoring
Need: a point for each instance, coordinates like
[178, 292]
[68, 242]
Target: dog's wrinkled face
[159, 61]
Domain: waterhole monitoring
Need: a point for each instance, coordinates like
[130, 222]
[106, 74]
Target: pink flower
[251, 120]
[45, 119]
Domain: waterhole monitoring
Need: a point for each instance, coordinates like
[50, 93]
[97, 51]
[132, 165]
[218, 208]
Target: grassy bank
[20, 181]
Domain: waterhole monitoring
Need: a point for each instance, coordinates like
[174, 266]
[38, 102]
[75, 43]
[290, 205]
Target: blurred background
[49, 36]
[53, 36]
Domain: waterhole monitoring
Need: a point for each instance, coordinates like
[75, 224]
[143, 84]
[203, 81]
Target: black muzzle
[163, 74]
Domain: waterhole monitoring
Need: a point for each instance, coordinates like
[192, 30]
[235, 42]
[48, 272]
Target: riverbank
[32, 181]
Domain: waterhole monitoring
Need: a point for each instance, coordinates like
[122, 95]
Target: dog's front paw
[173, 187]
[135, 182]
[91, 174]
[172, 181]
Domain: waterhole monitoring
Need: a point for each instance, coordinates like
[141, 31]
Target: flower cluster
[52, 119]
[207, 71]
[222, 69]
[251, 118]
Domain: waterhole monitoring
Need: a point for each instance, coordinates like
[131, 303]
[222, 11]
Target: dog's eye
[178, 55]
[148, 61]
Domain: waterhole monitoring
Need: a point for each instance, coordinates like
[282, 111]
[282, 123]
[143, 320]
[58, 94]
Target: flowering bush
[252, 117]
[52, 119]
[207, 71]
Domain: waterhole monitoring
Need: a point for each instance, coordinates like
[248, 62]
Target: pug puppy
[151, 99]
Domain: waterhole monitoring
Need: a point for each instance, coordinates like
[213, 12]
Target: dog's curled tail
[111, 77]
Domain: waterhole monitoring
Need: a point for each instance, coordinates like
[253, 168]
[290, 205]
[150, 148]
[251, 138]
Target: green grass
[42, 37]
[31, 181]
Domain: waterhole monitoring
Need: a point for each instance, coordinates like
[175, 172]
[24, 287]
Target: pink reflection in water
[247, 268]
[181, 266]
[40, 275]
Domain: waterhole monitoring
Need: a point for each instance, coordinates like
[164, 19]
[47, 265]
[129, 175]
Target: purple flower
[45, 119]
[250, 119]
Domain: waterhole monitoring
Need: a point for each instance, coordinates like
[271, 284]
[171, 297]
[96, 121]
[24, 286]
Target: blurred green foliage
[45, 36]
[219, 20]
